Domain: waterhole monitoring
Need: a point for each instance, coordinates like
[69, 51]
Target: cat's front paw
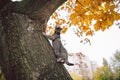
[44, 33]
[60, 60]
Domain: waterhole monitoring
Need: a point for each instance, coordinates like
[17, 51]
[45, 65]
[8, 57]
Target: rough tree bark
[25, 54]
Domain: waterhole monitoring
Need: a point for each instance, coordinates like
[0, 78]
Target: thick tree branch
[31, 6]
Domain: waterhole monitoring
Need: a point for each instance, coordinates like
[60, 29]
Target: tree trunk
[25, 54]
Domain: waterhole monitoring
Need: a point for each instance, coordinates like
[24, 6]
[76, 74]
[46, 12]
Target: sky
[103, 44]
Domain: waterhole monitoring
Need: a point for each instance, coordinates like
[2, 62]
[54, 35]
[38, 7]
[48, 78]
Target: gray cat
[60, 52]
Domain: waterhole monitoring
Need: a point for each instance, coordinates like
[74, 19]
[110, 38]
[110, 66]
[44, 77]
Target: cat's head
[58, 29]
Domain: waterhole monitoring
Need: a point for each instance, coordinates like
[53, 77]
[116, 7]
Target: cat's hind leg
[67, 62]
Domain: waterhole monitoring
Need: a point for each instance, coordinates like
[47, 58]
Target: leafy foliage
[102, 73]
[105, 63]
[88, 15]
[115, 61]
[75, 76]
[107, 72]
[102, 11]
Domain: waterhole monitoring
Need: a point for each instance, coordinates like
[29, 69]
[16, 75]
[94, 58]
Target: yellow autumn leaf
[77, 8]
[116, 16]
[55, 15]
[89, 33]
[75, 21]
[103, 26]
[73, 15]
[87, 2]
[49, 28]
[87, 21]
[97, 26]
[61, 21]
[68, 2]
[80, 1]
[64, 30]
[85, 28]
[62, 7]
[74, 18]
[108, 6]
[104, 17]
[57, 23]
[112, 7]
[80, 8]
[101, 8]
[96, 17]
[109, 22]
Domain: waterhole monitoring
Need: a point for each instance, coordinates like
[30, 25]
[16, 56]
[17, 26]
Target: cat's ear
[58, 28]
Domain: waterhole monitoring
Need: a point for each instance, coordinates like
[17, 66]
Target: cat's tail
[60, 60]
[70, 64]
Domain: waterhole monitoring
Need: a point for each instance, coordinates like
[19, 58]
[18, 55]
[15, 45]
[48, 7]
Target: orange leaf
[97, 26]
[72, 16]
[62, 7]
[85, 28]
[89, 33]
[62, 21]
[54, 16]
[64, 30]
[57, 23]
[103, 26]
